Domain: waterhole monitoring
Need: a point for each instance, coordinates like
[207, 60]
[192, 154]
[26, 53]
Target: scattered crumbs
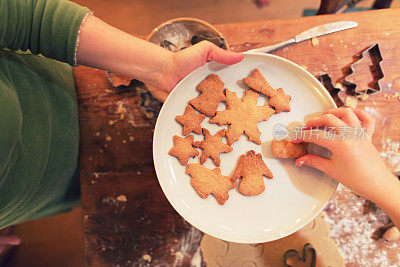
[120, 108]
[324, 68]
[353, 43]
[105, 145]
[146, 257]
[247, 44]
[374, 103]
[96, 175]
[345, 46]
[314, 41]
[339, 58]
[108, 138]
[139, 173]
[108, 91]
[86, 217]
[122, 117]
[124, 141]
[121, 198]
[331, 45]
[232, 48]
[252, 30]
[340, 86]
[341, 41]
[351, 102]
[131, 138]
[387, 33]
[369, 38]
[111, 123]
[101, 150]
[362, 97]
[179, 255]
[350, 225]
[97, 134]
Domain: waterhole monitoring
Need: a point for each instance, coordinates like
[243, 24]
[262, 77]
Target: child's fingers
[345, 114]
[314, 161]
[314, 136]
[367, 121]
[327, 120]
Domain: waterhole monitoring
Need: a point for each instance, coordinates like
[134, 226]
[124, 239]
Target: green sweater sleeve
[47, 27]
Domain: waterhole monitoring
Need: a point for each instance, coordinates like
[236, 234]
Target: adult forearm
[105, 47]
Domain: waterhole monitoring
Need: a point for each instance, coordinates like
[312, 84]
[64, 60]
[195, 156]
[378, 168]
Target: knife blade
[310, 33]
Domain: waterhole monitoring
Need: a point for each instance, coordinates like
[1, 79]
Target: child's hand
[185, 61]
[355, 162]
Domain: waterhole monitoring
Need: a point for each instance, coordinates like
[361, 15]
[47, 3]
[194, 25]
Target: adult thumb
[217, 54]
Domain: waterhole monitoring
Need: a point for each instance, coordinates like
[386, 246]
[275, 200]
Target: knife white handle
[270, 48]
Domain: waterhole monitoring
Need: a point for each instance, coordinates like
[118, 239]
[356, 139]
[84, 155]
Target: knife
[308, 34]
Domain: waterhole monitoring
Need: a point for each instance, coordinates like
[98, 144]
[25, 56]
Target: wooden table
[127, 219]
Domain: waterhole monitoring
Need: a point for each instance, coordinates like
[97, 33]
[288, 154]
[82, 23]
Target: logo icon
[280, 132]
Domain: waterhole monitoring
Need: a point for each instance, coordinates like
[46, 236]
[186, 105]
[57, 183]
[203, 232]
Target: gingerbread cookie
[212, 146]
[206, 181]
[212, 92]
[280, 101]
[258, 83]
[190, 120]
[242, 116]
[183, 149]
[286, 149]
[252, 168]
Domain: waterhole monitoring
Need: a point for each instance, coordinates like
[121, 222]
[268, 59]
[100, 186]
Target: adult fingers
[314, 161]
[367, 121]
[215, 53]
[346, 115]
[326, 120]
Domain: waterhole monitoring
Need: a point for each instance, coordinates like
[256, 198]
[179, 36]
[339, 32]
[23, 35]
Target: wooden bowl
[180, 31]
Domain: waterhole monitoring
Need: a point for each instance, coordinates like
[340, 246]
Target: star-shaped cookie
[242, 116]
[280, 101]
[212, 146]
[183, 149]
[258, 83]
[212, 92]
[252, 168]
[206, 181]
[190, 120]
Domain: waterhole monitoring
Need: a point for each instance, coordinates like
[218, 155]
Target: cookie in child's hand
[280, 101]
[252, 168]
[212, 146]
[258, 83]
[183, 149]
[242, 116]
[190, 120]
[287, 149]
[212, 92]
[206, 181]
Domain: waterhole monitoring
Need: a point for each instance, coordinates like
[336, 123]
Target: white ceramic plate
[292, 199]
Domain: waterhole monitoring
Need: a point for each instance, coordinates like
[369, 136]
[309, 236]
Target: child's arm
[105, 47]
[354, 163]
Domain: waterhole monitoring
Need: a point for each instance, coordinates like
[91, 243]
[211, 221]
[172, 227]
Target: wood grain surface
[127, 219]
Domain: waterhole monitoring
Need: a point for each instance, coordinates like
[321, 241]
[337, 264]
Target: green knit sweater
[39, 134]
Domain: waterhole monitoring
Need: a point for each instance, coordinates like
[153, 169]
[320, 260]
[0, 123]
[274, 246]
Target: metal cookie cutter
[356, 70]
